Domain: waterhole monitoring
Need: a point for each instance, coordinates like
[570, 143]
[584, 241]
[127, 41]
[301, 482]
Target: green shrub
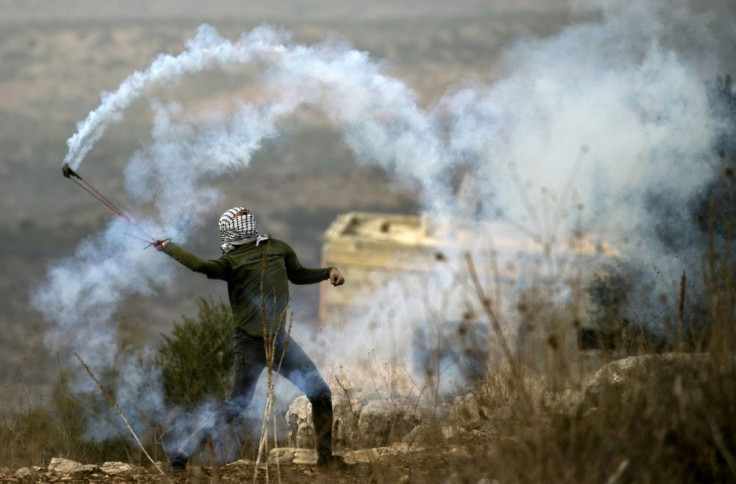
[196, 358]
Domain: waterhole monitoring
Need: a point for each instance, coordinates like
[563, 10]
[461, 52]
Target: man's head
[237, 224]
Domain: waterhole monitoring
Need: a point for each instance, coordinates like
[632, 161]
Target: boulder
[376, 454]
[281, 455]
[291, 455]
[384, 421]
[24, 473]
[348, 402]
[299, 424]
[241, 463]
[59, 465]
[361, 419]
[118, 468]
[654, 375]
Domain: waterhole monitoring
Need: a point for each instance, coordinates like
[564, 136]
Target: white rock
[382, 422]
[450, 432]
[241, 462]
[405, 479]
[299, 424]
[116, 468]
[60, 465]
[460, 453]
[305, 457]
[281, 455]
[291, 455]
[24, 472]
[374, 424]
[361, 419]
[376, 454]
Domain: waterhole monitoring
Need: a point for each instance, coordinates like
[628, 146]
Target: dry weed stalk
[214, 465]
[487, 306]
[117, 408]
[271, 340]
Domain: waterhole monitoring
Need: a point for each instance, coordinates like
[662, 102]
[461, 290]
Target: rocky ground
[395, 444]
[396, 464]
[480, 440]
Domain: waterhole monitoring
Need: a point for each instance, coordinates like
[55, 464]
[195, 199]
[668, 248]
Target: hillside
[55, 60]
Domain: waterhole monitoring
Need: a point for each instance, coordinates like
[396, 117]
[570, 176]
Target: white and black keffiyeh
[235, 231]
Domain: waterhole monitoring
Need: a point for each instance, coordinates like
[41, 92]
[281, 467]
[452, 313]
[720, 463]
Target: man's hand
[160, 244]
[336, 278]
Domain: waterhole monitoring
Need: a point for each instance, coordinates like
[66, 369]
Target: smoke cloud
[574, 137]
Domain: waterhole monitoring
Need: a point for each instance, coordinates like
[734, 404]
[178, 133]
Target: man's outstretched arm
[213, 269]
[298, 274]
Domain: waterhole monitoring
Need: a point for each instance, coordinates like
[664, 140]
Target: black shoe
[332, 463]
[178, 460]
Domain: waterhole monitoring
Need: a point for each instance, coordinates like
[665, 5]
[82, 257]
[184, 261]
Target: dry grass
[648, 418]
[645, 416]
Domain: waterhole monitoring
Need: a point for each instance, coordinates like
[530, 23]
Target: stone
[361, 419]
[450, 432]
[656, 374]
[382, 422]
[460, 452]
[376, 454]
[299, 424]
[118, 468]
[241, 463]
[421, 437]
[292, 455]
[466, 412]
[60, 465]
[24, 473]
[305, 457]
[281, 455]
[405, 479]
[485, 480]
[374, 425]
[348, 401]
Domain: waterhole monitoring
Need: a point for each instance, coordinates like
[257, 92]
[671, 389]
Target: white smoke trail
[578, 129]
[379, 115]
[206, 50]
[381, 121]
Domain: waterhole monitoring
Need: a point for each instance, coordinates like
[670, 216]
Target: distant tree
[196, 358]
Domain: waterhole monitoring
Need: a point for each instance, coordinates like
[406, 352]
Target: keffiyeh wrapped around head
[238, 227]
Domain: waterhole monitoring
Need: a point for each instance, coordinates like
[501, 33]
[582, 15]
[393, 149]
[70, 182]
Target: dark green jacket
[257, 280]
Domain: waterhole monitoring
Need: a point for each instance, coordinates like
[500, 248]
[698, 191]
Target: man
[257, 270]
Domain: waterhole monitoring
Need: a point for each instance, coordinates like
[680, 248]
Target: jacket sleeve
[213, 269]
[302, 275]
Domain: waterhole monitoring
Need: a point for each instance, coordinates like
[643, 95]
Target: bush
[195, 360]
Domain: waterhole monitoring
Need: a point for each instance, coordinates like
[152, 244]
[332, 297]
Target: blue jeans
[291, 362]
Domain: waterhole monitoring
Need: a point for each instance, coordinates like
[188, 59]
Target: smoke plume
[574, 137]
